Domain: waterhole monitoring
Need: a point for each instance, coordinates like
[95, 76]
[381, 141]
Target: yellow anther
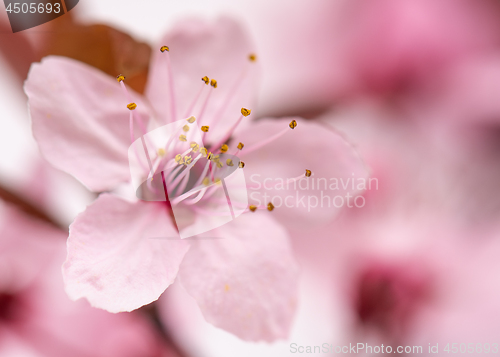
[188, 159]
[252, 208]
[213, 83]
[205, 128]
[161, 152]
[219, 164]
[206, 181]
[293, 124]
[229, 162]
[120, 78]
[191, 120]
[204, 151]
[252, 57]
[240, 146]
[164, 48]
[179, 159]
[217, 181]
[226, 287]
[194, 146]
[270, 206]
[131, 106]
[308, 173]
[246, 112]
[209, 156]
[215, 158]
[185, 128]
[224, 148]
[182, 138]
[206, 80]
[241, 165]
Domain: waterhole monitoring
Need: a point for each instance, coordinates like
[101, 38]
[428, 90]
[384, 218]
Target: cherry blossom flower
[36, 316]
[123, 254]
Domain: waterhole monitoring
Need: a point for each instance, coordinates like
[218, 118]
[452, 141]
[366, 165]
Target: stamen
[129, 99]
[188, 194]
[229, 162]
[270, 206]
[245, 112]
[205, 128]
[196, 98]
[172, 174]
[257, 146]
[187, 159]
[213, 83]
[252, 208]
[191, 120]
[161, 152]
[185, 128]
[202, 177]
[132, 139]
[252, 57]
[230, 94]
[182, 138]
[239, 147]
[131, 106]
[206, 80]
[205, 104]
[224, 148]
[307, 174]
[190, 165]
[179, 159]
[194, 146]
[177, 130]
[120, 77]
[241, 165]
[173, 111]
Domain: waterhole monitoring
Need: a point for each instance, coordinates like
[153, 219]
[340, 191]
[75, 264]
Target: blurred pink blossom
[415, 265]
[392, 46]
[36, 316]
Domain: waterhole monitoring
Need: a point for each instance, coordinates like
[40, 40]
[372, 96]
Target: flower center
[177, 166]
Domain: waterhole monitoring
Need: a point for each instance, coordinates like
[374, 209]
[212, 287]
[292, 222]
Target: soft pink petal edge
[246, 280]
[337, 169]
[116, 257]
[219, 50]
[80, 121]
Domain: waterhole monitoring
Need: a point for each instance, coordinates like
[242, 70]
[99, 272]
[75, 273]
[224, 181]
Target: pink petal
[80, 121]
[219, 51]
[337, 170]
[41, 319]
[244, 280]
[116, 257]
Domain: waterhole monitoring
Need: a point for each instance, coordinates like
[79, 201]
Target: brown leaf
[101, 46]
